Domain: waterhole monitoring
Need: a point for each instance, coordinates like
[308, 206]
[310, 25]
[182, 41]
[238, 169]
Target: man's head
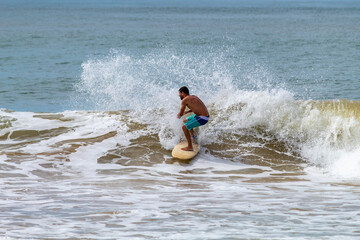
[183, 92]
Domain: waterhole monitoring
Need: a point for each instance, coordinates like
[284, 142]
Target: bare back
[196, 105]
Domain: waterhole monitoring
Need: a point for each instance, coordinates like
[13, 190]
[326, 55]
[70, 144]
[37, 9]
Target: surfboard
[181, 154]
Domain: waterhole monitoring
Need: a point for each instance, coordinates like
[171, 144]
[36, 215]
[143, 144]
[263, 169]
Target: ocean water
[88, 104]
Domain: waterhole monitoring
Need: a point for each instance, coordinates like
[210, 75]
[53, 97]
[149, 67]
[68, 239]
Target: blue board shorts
[196, 121]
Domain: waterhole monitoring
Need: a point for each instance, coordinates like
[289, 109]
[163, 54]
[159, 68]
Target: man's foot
[190, 149]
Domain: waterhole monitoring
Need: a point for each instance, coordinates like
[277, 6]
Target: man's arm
[188, 111]
[182, 109]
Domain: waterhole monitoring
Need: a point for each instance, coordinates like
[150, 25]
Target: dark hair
[184, 90]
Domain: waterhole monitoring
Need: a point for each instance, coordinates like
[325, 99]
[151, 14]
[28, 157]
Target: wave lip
[325, 133]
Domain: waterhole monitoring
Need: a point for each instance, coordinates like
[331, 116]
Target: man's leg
[191, 133]
[193, 136]
[188, 138]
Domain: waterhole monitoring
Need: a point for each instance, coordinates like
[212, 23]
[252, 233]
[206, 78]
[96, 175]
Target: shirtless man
[200, 117]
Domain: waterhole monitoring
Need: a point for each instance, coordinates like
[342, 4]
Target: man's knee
[184, 128]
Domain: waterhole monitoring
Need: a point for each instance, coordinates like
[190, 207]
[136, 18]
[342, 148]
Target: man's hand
[186, 112]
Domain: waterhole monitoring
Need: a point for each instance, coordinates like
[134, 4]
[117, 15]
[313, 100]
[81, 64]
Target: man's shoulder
[192, 97]
[187, 98]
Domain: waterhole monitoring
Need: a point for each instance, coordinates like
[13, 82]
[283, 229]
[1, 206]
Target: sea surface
[88, 104]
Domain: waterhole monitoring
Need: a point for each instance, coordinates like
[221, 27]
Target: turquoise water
[88, 105]
[308, 48]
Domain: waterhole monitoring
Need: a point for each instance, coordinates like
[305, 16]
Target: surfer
[199, 118]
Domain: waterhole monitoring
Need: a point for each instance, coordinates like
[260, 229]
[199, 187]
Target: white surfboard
[181, 154]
